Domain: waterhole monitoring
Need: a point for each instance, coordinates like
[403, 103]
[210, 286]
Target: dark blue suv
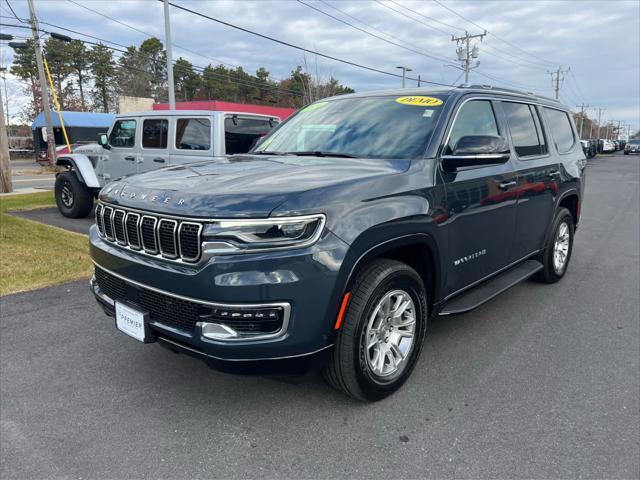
[333, 242]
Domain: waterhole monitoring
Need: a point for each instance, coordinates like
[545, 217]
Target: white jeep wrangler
[139, 142]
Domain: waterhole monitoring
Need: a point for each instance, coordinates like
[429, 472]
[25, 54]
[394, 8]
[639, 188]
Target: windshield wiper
[318, 153]
[266, 152]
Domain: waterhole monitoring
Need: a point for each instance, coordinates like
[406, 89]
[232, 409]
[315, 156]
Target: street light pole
[167, 39]
[51, 141]
[404, 73]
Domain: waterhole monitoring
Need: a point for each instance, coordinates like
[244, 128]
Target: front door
[481, 202]
[122, 157]
[154, 152]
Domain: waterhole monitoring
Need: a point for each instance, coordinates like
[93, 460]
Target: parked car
[139, 142]
[632, 146]
[333, 242]
[608, 146]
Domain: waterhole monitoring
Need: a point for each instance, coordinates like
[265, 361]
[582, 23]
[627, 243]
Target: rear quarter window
[560, 129]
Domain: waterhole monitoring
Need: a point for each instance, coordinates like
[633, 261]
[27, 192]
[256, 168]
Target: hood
[243, 186]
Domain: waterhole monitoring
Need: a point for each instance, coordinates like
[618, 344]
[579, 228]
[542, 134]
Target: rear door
[154, 151]
[481, 202]
[538, 179]
[192, 139]
[121, 160]
[242, 132]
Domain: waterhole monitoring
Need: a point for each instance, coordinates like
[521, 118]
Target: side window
[476, 117]
[525, 134]
[155, 132]
[193, 134]
[241, 134]
[560, 128]
[123, 134]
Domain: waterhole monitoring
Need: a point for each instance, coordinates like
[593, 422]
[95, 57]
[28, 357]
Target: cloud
[598, 40]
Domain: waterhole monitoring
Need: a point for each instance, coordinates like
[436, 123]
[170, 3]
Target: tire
[73, 198]
[626, 153]
[350, 368]
[552, 271]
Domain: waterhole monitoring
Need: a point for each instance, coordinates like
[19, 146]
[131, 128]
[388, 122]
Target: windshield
[372, 127]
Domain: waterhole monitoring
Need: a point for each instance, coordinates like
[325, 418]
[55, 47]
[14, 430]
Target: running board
[487, 290]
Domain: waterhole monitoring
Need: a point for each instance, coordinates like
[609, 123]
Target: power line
[411, 18]
[517, 85]
[369, 33]
[297, 47]
[14, 13]
[492, 34]
[199, 69]
[426, 17]
[147, 34]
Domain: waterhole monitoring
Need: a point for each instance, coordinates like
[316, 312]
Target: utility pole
[582, 107]
[167, 39]
[557, 78]
[6, 95]
[466, 53]
[51, 141]
[6, 184]
[600, 111]
[404, 73]
[418, 80]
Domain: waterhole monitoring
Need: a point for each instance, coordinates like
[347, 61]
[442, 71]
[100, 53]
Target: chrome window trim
[286, 308]
[175, 240]
[126, 231]
[155, 235]
[198, 237]
[125, 242]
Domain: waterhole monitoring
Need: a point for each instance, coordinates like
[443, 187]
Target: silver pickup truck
[139, 142]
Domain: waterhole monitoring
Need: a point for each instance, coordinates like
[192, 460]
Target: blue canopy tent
[82, 127]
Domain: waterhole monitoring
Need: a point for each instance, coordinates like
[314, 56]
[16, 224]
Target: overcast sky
[598, 41]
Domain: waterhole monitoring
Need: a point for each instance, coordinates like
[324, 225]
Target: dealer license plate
[130, 321]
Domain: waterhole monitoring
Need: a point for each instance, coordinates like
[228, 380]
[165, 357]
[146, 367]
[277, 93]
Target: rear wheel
[73, 198]
[557, 253]
[382, 333]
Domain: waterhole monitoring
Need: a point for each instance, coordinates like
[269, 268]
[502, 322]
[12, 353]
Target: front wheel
[380, 339]
[73, 198]
[557, 252]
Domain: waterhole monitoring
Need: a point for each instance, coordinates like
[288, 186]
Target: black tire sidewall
[82, 197]
[563, 216]
[402, 278]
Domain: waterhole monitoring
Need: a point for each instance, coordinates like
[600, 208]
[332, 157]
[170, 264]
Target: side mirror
[103, 141]
[476, 150]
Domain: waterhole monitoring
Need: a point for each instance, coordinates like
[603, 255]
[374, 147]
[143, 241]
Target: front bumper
[304, 280]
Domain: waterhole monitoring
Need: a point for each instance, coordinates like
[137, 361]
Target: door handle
[505, 185]
[130, 158]
[554, 174]
[158, 160]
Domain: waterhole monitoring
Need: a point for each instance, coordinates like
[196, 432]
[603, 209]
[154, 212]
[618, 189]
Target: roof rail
[507, 90]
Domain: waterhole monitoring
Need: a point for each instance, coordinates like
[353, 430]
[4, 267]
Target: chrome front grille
[170, 238]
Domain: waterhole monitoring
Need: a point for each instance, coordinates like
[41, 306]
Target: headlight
[237, 236]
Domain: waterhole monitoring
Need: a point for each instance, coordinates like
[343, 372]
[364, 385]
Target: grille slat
[167, 238]
[118, 227]
[189, 240]
[148, 233]
[133, 235]
[99, 223]
[170, 238]
[107, 222]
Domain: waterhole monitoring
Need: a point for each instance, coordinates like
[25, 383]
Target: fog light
[246, 322]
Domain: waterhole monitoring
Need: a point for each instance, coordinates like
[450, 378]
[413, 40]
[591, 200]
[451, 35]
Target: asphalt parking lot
[541, 382]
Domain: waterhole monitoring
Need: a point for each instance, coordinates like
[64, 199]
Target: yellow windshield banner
[420, 101]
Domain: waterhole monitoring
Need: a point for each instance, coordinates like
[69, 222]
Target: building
[217, 105]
